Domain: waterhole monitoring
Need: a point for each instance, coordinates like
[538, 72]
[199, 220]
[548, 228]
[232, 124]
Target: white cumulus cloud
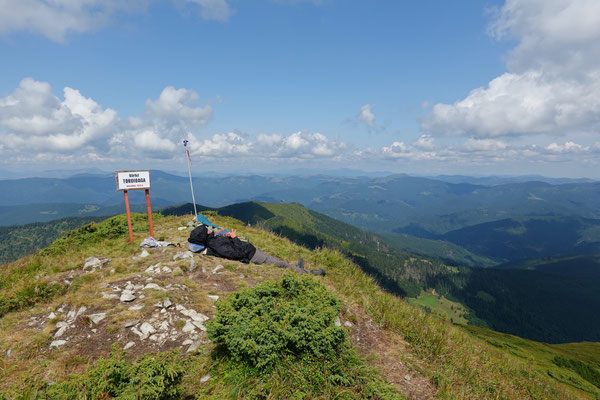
[553, 83]
[366, 115]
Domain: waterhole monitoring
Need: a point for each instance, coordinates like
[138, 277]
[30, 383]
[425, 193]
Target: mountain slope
[520, 238]
[420, 355]
[529, 304]
[19, 241]
[581, 266]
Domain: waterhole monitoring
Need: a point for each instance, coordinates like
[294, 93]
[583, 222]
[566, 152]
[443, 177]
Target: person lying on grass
[226, 244]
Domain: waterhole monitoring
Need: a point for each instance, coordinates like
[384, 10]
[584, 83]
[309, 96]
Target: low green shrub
[153, 376]
[28, 296]
[261, 325]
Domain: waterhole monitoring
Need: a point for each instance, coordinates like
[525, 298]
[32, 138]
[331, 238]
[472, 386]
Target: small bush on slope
[280, 342]
[259, 326]
[154, 376]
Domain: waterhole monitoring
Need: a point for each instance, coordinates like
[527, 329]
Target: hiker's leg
[261, 257]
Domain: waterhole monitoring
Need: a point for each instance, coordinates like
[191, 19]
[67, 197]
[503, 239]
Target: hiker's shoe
[320, 272]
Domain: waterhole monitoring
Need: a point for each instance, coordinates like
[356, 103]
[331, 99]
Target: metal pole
[185, 142]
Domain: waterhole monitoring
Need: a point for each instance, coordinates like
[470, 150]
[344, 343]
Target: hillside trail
[161, 302]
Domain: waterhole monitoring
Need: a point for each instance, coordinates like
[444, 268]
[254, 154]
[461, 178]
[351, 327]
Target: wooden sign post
[135, 180]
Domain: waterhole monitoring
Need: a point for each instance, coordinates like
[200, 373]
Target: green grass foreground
[456, 362]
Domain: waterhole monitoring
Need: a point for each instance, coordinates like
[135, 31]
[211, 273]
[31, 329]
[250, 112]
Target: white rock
[144, 254]
[167, 303]
[194, 346]
[61, 324]
[242, 276]
[147, 329]
[127, 296]
[94, 330]
[129, 286]
[217, 269]
[81, 310]
[153, 286]
[95, 318]
[137, 307]
[164, 326]
[193, 264]
[158, 305]
[166, 270]
[182, 228]
[199, 325]
[186, 342]
[182, 255]
[51, 315]
[213, 297]
[338, 322]
[137, 332]
[189, 327]
[129, 345]
[57, 343]
[179, 307]
[71, 315]
[61, 331]
[130, 323]
[110, 296]
[348, 324]
[91, 263]
[205, 378]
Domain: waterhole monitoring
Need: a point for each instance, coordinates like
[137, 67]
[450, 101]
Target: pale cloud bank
[552, 87]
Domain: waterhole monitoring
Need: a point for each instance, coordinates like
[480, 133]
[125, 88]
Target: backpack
[199, 235]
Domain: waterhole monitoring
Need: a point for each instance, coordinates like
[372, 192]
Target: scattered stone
[199, 325]
[153, 286]
[127, 296]
[166, 270]
[137, 332]
[92, 263]
[407, 378]
[179, 307]
[164, 326]
[144, 254]
[158, 305]
[153, 268]
[62, 328]
[338, 322]
[348, 324]
[217, 268]
[167, 303]
[205, 378]
[189, 327]
[94, 330]
[193, 264]
[147, 329]
[177, 271]
[129, 286]
[51, 315]
[129, 345]
[57, 343]
[186, 342]
[137, 307]
[213, 297]
[194, 346]
[81, 310]
[130, 323]
[109, 296]
[196, 316]
[71, 315]
[242, 276]
[95, 318]
[182, 255]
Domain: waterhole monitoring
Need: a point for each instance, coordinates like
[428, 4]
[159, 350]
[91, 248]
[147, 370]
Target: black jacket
[231, 248]
[222, 246]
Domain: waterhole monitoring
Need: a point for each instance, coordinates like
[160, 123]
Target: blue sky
[479, 87]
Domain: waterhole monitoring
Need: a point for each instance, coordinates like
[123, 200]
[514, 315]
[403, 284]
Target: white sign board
[133, 180]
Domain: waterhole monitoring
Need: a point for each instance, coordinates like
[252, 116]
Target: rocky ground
[159, 299]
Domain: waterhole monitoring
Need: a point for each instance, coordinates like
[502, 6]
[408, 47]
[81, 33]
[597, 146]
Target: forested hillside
[20, 241]
[530, 304]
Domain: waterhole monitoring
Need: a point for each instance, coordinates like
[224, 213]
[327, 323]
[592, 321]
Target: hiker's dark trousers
[264, 258]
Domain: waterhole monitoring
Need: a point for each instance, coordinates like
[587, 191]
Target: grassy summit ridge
[440, 360]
